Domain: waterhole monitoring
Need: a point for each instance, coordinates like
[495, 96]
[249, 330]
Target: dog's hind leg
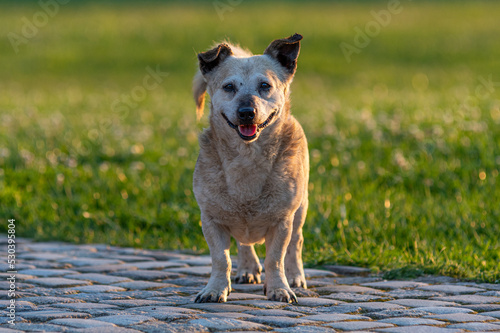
[249, 268]
[294, 268]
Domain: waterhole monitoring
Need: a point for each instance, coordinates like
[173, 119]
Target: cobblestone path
[97, 288]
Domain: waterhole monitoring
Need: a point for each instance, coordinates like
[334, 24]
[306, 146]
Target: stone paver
[314, 302]
[222, 324]
[395, 284]
[81, 262]
[409, 321]
[142, 285]
[306, 329]
[335, 317]
[477, 327]
[358, 325]
[420, 329]
[131, 303]
[47, 272]
[146, 275]
[354, 297]
[99, 288]
[461, 317]
[53, 282]
[125, 320]
[386, 314]
[34, 327]
[483, 307]
[312, 273]
[233, 315]
[217, 307]
[20, 305]
[347, 270]
[259, 303]
[160, 327]
[418, 303]
[105, 268]
[452, 289]
[80, 323]
[43, 300]
[495, 314]
[196, 261]
[156, 264]
[42, 316]
[99, 278]
[469, 299]
[275, 312]
[413, 293]
[444, 309]
[83, 307]
[194, 270]
[377, 306]
[336, 288]
[243, 296]
[280, 321]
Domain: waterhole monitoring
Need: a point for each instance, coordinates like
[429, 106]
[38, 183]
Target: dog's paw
[212, 295]
[280, 295]
[295, 275]
[243, 277]
[297, 282]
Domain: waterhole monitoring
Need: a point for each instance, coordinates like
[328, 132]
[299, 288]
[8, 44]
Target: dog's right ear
[199, 89]
[211, 59]
[208, 61]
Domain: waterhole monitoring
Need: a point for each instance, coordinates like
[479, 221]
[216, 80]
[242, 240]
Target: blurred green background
[404, 132]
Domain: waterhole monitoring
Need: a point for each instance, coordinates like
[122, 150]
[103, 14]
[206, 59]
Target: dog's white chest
[246, 174]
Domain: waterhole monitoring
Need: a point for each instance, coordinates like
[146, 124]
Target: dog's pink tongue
[248, 130]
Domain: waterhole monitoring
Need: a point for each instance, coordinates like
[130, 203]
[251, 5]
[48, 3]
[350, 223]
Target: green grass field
[404, 139]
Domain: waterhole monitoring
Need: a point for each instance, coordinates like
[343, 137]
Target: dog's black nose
[246, 113]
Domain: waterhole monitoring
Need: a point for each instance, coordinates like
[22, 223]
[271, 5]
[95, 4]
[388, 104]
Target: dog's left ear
[286, 51]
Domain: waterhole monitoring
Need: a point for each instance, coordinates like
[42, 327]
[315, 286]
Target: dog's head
[248, 93]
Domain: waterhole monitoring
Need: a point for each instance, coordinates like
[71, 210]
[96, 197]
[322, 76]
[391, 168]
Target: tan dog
[252, 173]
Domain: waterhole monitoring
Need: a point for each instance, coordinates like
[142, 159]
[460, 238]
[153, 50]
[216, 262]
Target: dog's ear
[286, 51]
[211, 59]
[208, 61]
[199, 89]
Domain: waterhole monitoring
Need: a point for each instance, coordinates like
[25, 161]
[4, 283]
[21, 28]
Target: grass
[404, 140]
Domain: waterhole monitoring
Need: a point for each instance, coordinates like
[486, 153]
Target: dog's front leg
[276, 285]
[294, 268]
[219, 285]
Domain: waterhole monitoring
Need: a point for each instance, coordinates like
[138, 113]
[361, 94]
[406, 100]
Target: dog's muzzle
[249, 131]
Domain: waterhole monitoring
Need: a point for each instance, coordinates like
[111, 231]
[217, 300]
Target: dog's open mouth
[249, 131]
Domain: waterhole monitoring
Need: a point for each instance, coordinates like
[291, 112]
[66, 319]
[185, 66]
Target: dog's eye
[229, 87]
[265, 86]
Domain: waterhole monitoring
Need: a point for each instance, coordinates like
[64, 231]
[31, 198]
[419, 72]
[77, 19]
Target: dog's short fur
[252, 173]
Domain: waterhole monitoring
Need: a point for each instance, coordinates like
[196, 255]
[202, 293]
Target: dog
[252, 173]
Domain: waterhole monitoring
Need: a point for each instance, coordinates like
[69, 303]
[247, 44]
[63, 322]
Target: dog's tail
[199, 90]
